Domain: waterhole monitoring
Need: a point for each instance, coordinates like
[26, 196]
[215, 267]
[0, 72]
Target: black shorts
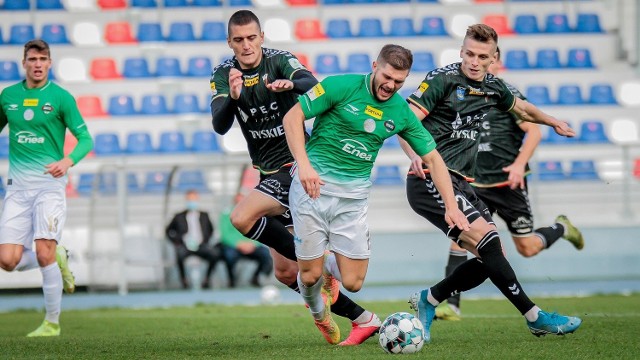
[276, 186]
[511, 205]
[425, 200]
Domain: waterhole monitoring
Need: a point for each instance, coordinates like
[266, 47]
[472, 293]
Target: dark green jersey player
[451, 102]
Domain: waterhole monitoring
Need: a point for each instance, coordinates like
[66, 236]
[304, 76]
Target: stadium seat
[154, 104]
[332, 2]
[54, 34]
[557, 23]
[150, 32]
[181, 31]
[136, 68]
[592, 131]
[339, 28]
[121, 105]
[327, 64]
[71, 69]
[139, 143]
[517, 59]
[191, 180]
[107, 183]
[538, 95]
[370, 27]
[168, 67]
[526, 24]
[90, 106]
[602, 94]
[402, 27]
[433, 26]
[199, 66]
[175, 3]
[579, 58]
[552, 138]
[104, 69]
[240, 3]
[156, 182]
[112, 4]
[86, 34]
[423, 61]
[19, 34]
[499, 23]
[636, 168]
[16, 5]
[1, 37]
[548, 59]
[80, 5]
[119, 32]
[4, 146]
[393, 142]
[204, 141]
[85, 184]
[588, 23]
[387, 175]
[107, 144]
[583, 170]
[207, 3]
[214, 31]
[172, 142]
[569, 95]
[309, 29]
[304, 60]
[9, 71]
[144, 3]
[550, 171]
[302, 2]
[358, 63]
[185, 104]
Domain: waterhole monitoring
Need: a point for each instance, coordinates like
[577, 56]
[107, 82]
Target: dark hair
[497, 53]
[398, 57]
[242, 17]
[39, 45]
[482, 33]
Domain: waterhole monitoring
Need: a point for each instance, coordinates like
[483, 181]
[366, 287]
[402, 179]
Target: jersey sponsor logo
[460, 93]
[267, 133]
[27, 137]
[389, 125]
[28, 114]
[351, 109]
[369, 125]
[12, 107]
[373, 112]
[30, 102]
[214, 92]
[251, 80]
[264, 113]
[356, 148]
[421, 89]
[485, 147]
[296, 64]
[522, 225]
[47, 108]
[315, 92]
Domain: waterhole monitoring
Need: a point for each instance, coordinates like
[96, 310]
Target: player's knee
[45, 258]
[352, 285]
[240, 221]
[526, 250]
[286, 276]
[8, 264]
[310, 277]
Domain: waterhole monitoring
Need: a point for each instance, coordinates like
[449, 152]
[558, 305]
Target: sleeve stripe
[413, 102]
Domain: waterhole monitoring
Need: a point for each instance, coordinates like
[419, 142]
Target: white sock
[331, 265]
[28, 261]
[532, 315]
[311, 296]
[364, 318]
[432, 300]
[52, 289]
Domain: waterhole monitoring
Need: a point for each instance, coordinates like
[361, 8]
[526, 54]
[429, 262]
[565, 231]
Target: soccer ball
[270, 295]
[401, 333]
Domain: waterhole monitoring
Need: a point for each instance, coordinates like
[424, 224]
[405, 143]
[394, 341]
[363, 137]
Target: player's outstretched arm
[529, 112]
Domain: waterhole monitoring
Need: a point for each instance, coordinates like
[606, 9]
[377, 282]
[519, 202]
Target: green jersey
[349, 129]
[500, 141]
[455, 107]
[38, 119]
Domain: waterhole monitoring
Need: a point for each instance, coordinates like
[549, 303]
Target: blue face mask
[192, 205]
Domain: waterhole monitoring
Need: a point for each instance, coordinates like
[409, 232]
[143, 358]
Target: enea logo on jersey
[356, 149]
[373, 112]
[251, 80]
[421, 89]
[30, 102]
[27, 137]
[315, 92]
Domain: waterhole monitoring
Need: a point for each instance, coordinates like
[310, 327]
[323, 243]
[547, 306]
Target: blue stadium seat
[588, 23]
[1, 37]
[16, 5]
[107, 144]
[85, 183]
[49, 5]
[402, 27]
[172, 142]
[557, 23]
[191, 180]
[204, 141]
[3, 190]
[583, 170]
[526, 24]
[136, 68]
[148, 32]
[175, 3]
[422, 62]
[327, 64]
[19, 34]
[548, 59]
[433, 26]
[592, 131]
[550, 171]
[107, 183]
[156, 182]
[538, 95]
[199, 66]
[359, 63]
[207, 3]
[388, 175]
[579, 58]
[206, 108]
[242, 3]
[168, 67]
[181, 31]
[214, 31]
[339, 28]
[516, 59]
[139, 143]
[154, 104]
[54, 34]
[4, 146]
[185, 104]
[392, 142]
[370, 27]
[602, 94]
[121, 105]
[144, 3]
[9, 70]
[569, 94]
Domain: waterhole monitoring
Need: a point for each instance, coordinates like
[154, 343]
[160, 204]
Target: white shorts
[32, 214]
[337, 222]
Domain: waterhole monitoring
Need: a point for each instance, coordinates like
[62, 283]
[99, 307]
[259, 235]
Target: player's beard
[375, 86]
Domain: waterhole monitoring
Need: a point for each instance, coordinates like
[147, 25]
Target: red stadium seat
[119, 32]
[302, 2]
[636, 168]
[309, 29]
[304, 60]
[104, 69]
[112, 4]
[90, 106]
[499, 23]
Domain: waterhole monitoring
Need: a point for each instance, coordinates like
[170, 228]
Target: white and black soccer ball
[401, 333]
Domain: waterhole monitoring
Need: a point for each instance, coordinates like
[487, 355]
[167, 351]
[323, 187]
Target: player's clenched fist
[235, 83]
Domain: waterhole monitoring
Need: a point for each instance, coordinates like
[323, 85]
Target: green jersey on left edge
[349, 129]
[38, 119]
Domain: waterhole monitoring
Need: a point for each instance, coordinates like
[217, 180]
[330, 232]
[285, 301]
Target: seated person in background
[236, 245]
[190, 232]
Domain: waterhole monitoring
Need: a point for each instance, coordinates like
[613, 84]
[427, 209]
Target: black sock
[466, 276]
[456, 258]
[550, 234]
[501, 273]
[343, 306]
[273, 234]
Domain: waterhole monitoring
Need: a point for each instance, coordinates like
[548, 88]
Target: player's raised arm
[529, 112]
